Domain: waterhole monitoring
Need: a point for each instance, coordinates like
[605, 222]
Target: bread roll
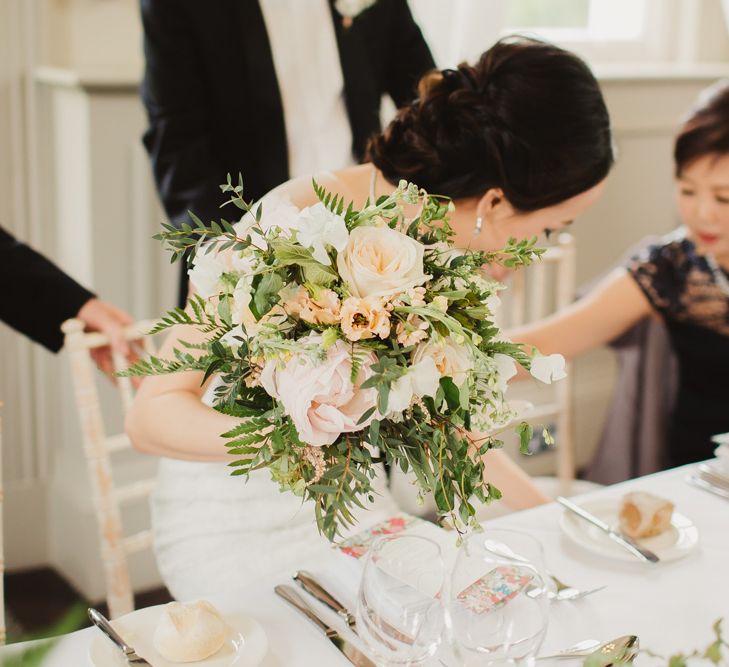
[189, 632]
[644, 515]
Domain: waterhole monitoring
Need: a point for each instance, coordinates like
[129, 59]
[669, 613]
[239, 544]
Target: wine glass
[499, 599]
[400, 601]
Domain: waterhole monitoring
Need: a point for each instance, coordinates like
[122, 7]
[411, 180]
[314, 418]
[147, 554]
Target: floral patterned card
[496, 588]
[358, 545]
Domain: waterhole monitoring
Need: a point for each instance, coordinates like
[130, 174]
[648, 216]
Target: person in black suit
[47, 296]
[213, 99]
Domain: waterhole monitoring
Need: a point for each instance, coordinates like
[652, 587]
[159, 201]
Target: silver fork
[565, 592]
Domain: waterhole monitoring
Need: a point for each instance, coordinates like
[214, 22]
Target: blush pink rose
[319, 396]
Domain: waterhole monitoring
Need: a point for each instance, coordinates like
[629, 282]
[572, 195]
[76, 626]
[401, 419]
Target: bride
[521, 142]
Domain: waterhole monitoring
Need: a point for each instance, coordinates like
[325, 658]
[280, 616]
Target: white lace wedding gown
[214, 532]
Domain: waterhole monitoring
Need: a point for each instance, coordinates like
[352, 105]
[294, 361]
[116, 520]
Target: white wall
[77, 186]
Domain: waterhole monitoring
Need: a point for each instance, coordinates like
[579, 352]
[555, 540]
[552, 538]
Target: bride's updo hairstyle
[528, 118]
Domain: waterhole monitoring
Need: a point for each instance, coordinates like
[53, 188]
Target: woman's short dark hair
[528, 118]
[706, 128]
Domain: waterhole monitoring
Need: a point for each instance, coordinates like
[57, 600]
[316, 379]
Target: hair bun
[528, 118]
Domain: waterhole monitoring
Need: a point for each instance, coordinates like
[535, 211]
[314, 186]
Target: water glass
[400, 611]
[499, 599]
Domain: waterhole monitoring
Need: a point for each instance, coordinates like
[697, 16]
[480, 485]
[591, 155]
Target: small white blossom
[505, 370]
[549, 368]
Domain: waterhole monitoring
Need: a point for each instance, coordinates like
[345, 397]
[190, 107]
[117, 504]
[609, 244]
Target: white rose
[549, 368]
[209, 265]
[421, 379]
[207, 268]
[276, 211]
[451, 360]
[318, 227]
[379, 261]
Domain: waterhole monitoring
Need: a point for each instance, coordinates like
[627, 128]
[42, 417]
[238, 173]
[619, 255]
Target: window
[603, 30]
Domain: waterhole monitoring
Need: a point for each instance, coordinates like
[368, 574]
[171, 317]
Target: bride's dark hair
[528, 118]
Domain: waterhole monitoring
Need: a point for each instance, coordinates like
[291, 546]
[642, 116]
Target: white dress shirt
[306, 58]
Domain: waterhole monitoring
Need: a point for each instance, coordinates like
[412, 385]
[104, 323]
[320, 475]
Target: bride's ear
[494, 205]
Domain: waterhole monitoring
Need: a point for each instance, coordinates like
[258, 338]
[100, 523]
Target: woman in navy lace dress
[684, 280]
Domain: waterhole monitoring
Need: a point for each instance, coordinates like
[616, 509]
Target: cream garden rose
[379, 261]
[451, 359]
[319, 396]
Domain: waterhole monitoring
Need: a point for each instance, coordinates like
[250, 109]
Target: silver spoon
[616, 652]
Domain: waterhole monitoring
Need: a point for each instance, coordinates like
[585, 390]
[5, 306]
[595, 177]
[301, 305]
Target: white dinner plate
[676, 542]
[245, 646]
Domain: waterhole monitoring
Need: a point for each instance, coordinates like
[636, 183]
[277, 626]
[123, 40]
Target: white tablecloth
[670, 606]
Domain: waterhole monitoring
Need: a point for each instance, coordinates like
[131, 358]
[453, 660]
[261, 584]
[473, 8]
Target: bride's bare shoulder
[351, 183]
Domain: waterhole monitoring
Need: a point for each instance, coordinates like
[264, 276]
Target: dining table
[671, 605]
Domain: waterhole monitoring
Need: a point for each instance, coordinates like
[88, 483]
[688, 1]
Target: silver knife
[624, 541]
[99, 620]
[714, 477]
[309, 583]
[702, 483]
[349, 650]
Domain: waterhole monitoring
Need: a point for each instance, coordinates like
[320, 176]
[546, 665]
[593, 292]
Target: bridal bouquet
[341, 338]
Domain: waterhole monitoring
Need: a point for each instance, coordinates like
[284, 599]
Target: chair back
[541, 289]
[99, 448]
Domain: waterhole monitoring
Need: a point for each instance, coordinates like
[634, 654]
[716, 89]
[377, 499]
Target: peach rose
[319, 396]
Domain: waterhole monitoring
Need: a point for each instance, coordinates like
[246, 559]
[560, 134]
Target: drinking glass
[400, 610]
[499, 599]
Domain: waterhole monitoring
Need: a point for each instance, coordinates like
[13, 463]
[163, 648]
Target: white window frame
[655, 43]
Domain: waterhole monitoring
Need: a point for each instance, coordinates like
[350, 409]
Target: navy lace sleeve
[680, 285]
[660, 271]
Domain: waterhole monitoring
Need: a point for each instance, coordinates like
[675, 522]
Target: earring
[477, 227]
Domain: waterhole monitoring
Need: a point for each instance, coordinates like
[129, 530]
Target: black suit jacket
[42, 296]
[213, 102]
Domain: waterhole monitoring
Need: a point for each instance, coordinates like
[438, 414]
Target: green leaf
[374, 433]
[383, 397]
[451, 393]
[678, 660]
[266, 294]
[525, 431]
[366, 415]
[713, 652]
[289, 253]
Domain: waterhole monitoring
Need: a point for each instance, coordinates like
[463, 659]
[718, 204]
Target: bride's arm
[518, 490]
[615, 305]
[168, 417]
